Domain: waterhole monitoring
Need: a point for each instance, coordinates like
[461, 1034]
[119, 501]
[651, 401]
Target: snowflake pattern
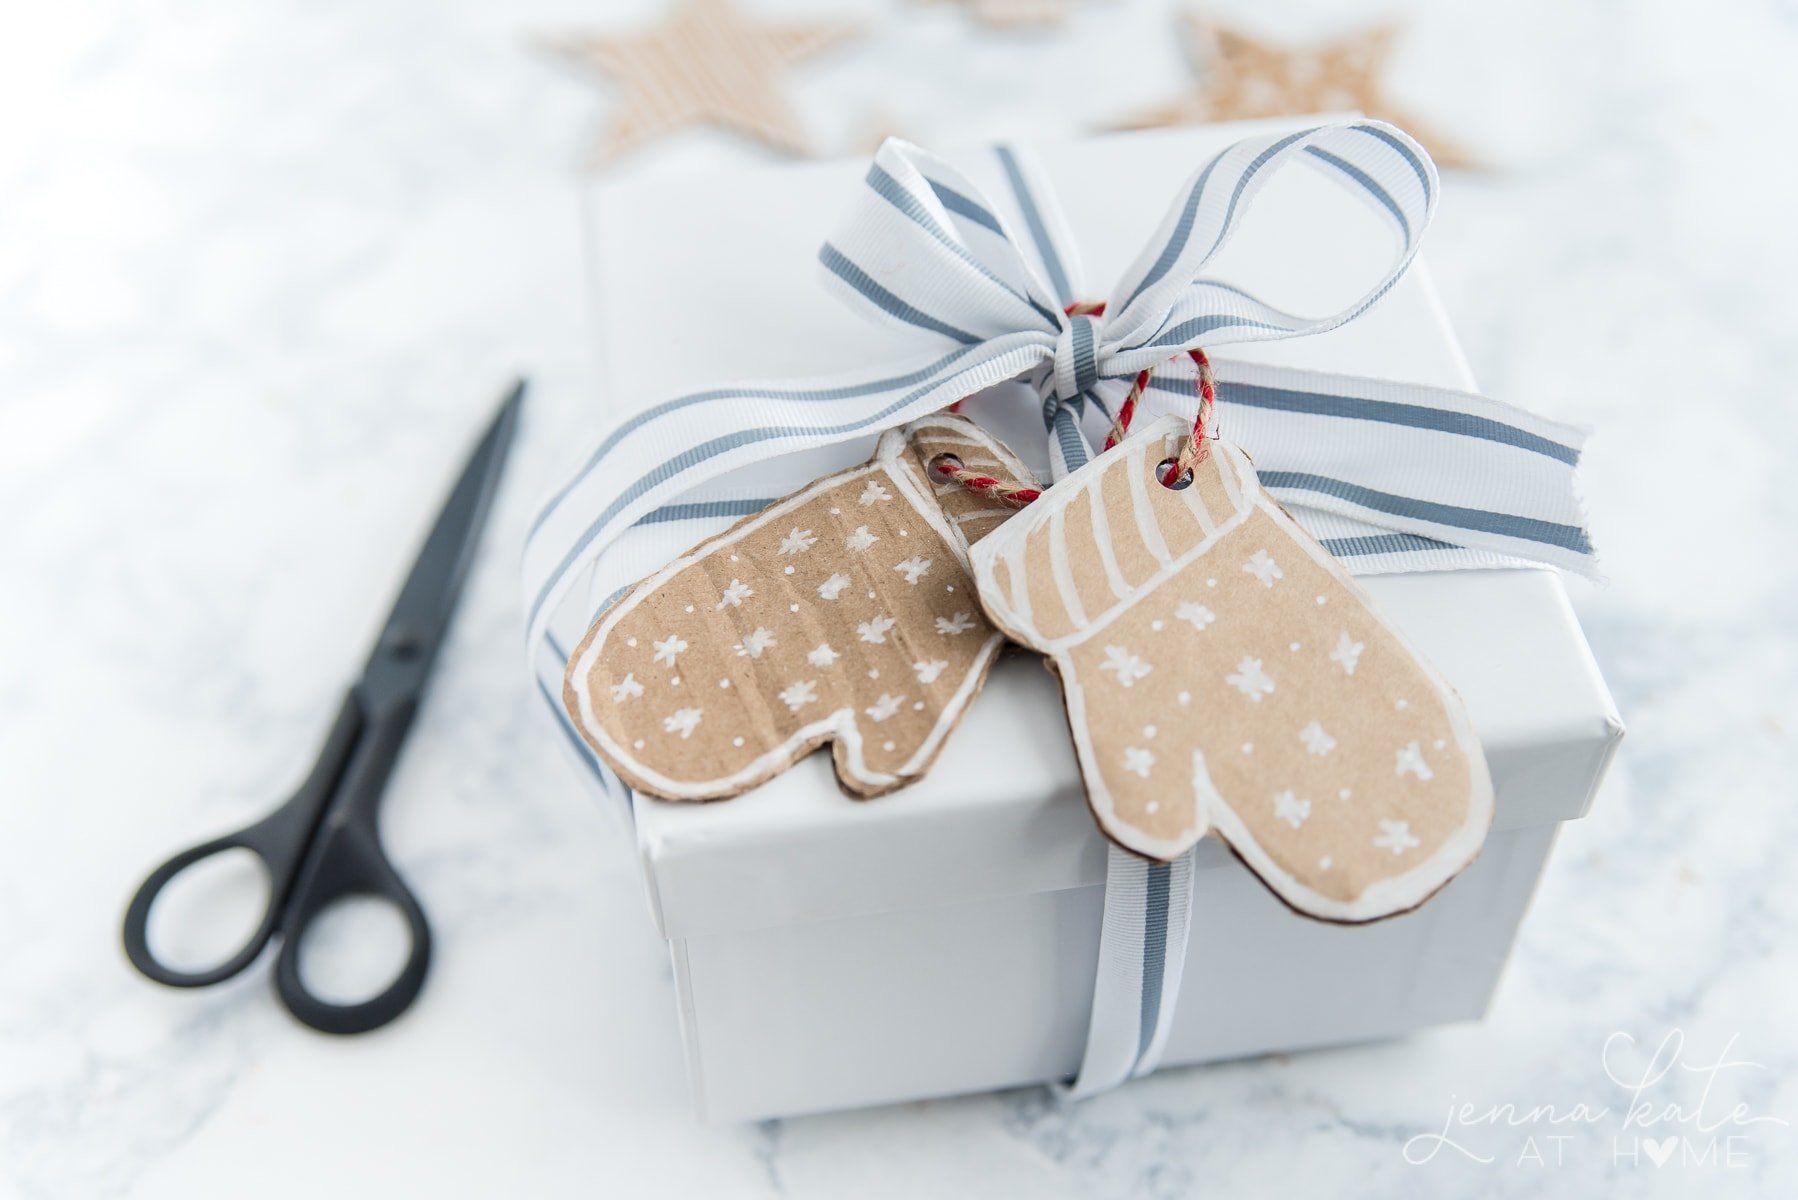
[1316, 740]
[928, 671]
[1251, 680]
[884, 707]
[754, 643]
[799, 694]
[669, 649]
[1138, 762]
[798, 541]
[1410, 762]
[1347, 653]
[1290, 809]
[874, 632]
[682, 721]
[1262, 566]
[1195, 614]
[804, 673]
[1125, 665]
[913, 568]
[1396, 836]
[961, 622]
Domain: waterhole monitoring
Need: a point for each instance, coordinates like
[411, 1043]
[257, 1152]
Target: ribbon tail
[1409, 472]
[659, 455]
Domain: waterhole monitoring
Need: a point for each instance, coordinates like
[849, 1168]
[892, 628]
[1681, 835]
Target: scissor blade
[415, 629]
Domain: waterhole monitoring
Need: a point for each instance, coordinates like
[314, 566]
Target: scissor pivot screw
[403, 643]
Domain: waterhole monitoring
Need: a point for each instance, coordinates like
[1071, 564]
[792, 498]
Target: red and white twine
[948, 469]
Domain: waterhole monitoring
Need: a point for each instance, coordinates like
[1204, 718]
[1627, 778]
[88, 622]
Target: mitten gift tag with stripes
[843, 613]
[1223, 673]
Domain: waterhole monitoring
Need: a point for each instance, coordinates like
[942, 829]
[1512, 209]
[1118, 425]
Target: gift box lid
[1003, 811]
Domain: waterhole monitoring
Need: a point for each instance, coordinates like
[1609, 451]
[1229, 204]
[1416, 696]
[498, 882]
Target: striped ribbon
[1389, 476]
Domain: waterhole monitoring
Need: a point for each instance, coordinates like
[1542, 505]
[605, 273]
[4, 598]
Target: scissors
[323, 845]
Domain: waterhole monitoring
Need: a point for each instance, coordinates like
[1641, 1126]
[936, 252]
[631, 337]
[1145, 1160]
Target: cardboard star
[706, 63]
[1241, 77]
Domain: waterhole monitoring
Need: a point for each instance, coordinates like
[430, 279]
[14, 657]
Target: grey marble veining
[264, 267]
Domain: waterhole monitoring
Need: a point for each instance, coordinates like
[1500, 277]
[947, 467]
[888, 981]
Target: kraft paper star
[1242, 77]
[706, 63]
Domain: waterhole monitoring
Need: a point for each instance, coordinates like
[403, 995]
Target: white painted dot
[918, 707]
[1248, 747]
[1211, 583]
[724, 683]
[835, 511]
[887, 746]
[1440, 743]
[950, 588]
[870, 595]
[874, 674]
[788, 571]
[689, 608]
[1152, 807]
[675, 681]
[1344, 794]
[1324, 862]
[1148, 731]
[638, 744]
[792, 608]
[1184, 697]
[736, 741]
[1323, 599]
[1402, 704]
[733, 558]
[1157, 626]
[630, 641]
[904, 533]
[1294, 647]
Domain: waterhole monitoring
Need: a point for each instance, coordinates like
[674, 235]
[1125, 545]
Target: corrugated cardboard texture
[843, 613]
[1224, 674]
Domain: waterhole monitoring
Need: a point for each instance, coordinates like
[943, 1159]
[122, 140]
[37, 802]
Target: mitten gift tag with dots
[1224, 674]
[843, 613]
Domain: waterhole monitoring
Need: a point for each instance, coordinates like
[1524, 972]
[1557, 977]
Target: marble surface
[263, 268]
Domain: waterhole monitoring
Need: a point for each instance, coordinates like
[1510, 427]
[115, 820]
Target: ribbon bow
[922, 247]
[1389, 476]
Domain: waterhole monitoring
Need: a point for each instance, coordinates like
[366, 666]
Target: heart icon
[1659, 1152]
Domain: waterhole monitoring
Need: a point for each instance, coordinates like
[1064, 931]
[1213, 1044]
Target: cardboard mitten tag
[843, 613]
[1223, 673]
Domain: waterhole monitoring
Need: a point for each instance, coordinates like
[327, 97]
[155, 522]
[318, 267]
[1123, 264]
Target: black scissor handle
[349, 862]
[346, 860]
[137, 917]
[279, 840]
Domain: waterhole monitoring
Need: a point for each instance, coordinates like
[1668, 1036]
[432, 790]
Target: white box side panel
[996, 992]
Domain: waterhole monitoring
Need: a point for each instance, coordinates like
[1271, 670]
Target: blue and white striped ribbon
[1391, 477]
[924, 249]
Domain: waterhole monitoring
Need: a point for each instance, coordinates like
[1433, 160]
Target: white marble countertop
[263, 268]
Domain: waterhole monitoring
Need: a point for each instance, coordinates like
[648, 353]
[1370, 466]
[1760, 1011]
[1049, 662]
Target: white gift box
[831, 952]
